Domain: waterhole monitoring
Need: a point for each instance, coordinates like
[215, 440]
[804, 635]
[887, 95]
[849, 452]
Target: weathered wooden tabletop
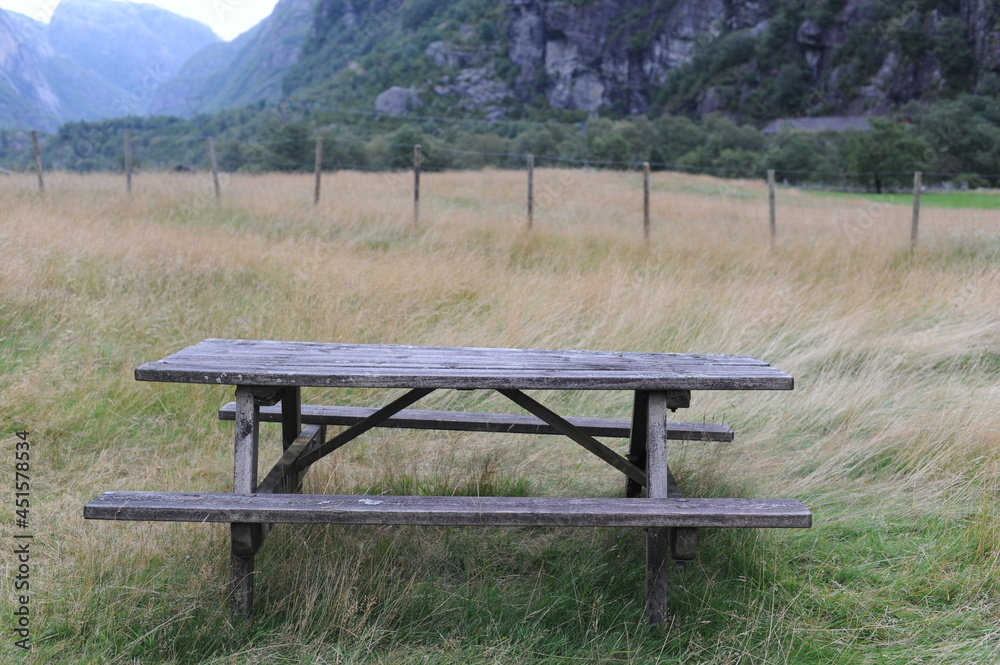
[306, 364]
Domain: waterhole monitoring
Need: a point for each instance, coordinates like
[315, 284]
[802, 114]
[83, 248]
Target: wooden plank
[319, 169]
[585, 440]
[450, 510]
[531, 191]
[368, 423]
[38, 161]
[286, 475]
[637, 440]
[657, 487]
[215, 168]
[683, 544]
[290, 414]
[770, 197]
[238, 362]
[241, 587]
[380, 353]
[246, 434]
[128, 161]
[465, 421]
[417, 161]
[645, 201]
[245, 538]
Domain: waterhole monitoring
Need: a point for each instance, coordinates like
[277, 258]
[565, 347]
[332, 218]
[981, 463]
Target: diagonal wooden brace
[368, 423]
[563, 427]
[286, 476]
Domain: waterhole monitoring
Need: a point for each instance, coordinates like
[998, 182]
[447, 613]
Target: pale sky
[228, 18]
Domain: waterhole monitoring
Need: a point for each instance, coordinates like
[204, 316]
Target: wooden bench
[448, 510]
[483, 422]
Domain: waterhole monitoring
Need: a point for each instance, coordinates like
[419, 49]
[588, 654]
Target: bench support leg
[241, 597]
[637, 441]
[683, 542]
[657, 539]
[246, 538]
[291, 425]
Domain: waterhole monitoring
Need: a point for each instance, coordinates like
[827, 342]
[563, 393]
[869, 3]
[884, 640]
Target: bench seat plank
[456, 511]
[314, 414]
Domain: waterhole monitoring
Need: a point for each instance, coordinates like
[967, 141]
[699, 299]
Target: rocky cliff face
[611, 53]
[752, 59]
[915, 53]
[26, 98]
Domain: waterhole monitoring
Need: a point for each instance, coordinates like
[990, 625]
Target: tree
[676, 136]
[888, 154]
[290, 148]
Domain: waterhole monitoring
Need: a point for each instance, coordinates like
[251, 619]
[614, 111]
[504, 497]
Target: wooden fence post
[917, 177]
[215, 168]
[38, 161]
[319, 167]
[770, 196]
[645, 200]
[417, 159]
[128, 161]
[531, 191]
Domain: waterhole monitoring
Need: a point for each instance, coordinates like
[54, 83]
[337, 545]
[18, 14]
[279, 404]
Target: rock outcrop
[397, 101]
[751, 59]
[610, 53]
[29, 100]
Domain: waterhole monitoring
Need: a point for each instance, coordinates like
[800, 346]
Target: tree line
[955, 141]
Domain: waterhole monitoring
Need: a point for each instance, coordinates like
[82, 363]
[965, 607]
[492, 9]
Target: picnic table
[269, 377]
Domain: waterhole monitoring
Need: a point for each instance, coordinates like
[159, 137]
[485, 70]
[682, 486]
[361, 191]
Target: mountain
[249, 69]
[750, 59]
[841, 57]
[136, 47]
[95, 59]
[26, 97]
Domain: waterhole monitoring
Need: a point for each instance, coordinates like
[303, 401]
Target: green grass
[950, 200]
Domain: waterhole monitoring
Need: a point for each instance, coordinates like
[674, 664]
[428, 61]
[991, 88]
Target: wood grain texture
[245, 538]
[242, 572]
[317, 414]
[657, 488]
[286, 476]
[637, 440]
[456, 511]
[246, 434]
[269, 363]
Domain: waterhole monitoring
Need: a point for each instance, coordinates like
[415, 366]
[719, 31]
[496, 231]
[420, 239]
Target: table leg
[291, 424]
[637, 441]
[245, 537]
[657, 539]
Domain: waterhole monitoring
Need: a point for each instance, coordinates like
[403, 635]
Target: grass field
[891, 436]
[952, 200]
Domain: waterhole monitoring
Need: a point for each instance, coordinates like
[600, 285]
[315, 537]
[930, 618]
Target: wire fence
[191, 154]
[414, 157]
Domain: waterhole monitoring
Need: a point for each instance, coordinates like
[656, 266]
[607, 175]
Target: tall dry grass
[894, 418]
